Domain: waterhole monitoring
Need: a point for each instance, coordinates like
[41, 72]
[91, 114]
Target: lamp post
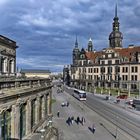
[0, 125]
[129, 84]
[42, 134]
[139, 89]
[116, 135]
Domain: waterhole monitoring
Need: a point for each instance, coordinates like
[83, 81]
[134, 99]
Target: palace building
[25, 102]
[112, 67]
[7, 56]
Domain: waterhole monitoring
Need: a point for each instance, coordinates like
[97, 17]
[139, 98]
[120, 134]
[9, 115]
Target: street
[126, 120]
[79, 132]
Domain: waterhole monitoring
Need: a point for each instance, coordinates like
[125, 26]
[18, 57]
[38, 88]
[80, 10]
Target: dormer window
[109, 55]
[116, 55]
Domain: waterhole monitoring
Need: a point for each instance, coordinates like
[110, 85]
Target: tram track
[122, 123]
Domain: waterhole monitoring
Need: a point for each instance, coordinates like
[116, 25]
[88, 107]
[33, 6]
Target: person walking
[83, 120]
[67, 103]
[72, 120]
[58, 114]
[78, 120]
[93, 128]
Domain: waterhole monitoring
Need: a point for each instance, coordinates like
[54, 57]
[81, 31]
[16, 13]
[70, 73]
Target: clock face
[82, 56]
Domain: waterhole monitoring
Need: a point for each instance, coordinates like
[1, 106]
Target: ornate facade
[7, 56]
[112, 67]
[25, 107]
[25, 103]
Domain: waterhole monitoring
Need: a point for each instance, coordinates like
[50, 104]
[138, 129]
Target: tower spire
[115, 37]
[76, 42]
[116, 8]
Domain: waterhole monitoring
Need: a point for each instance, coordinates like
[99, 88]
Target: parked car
[130, 102]
[124, 96]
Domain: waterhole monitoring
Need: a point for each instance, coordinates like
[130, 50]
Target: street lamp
[42, 133]
[116, 135]
[0, 125]
[139, 89]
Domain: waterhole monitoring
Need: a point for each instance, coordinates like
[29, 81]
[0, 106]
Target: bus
[79, 94]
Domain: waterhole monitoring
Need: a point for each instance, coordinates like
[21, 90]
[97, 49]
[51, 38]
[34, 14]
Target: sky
[45, 30]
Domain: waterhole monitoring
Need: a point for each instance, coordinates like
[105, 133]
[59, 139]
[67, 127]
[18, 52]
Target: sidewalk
[74, 131]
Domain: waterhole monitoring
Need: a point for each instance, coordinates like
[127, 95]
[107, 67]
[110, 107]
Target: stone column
[0, 65]
[15, 121]
[46, 105]
[43, 107]
[12, 67]
[37, 104]
[5, 65]
[0, 124]
[49, 104]
[28, 117]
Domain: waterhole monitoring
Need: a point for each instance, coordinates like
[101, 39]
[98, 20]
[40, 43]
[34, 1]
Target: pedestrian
[93, 128]
[67, 103]
[58, 114]
[83, 120]
[69, 121]
[78, 120]
[72, 120]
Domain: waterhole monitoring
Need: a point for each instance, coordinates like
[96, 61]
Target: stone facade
[24, 108]
[25, 103]
[7, 56]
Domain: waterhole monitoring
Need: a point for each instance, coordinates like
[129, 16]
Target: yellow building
[36, 73]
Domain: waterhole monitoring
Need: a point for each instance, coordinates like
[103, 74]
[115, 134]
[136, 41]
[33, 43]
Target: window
[84, 62]
[124, 77]
[109, 62]
[109, 69]
[117, 69]
[134, 69]
[117, 61]
[90, 77]
[103, 56]
[125, 69]
[102, 69]
[133, 86]
[95, 70]
[109, 55]
[102, 62]
[116, 55]
[6, 124]
[22, 121]
[89, 70]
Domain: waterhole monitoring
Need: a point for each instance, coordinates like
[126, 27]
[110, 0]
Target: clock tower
[115, 37]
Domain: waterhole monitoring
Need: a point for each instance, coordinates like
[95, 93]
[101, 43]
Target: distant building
[36, 73]
[7, 56]
[66, 75]
[112, 67]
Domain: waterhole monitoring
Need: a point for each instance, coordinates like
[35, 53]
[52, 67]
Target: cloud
[45, 30]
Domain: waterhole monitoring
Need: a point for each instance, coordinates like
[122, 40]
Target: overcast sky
[45, 30]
